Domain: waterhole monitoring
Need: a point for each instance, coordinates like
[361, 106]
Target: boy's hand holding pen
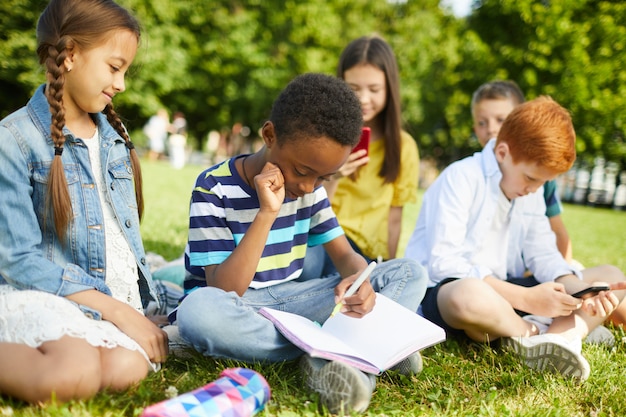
[357, 309]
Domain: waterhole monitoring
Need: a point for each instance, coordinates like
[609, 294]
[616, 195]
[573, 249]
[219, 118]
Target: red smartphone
[364, 142]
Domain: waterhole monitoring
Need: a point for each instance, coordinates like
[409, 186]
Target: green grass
[458, 379]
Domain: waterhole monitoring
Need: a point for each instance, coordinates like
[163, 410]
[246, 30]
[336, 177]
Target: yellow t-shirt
[362, 206]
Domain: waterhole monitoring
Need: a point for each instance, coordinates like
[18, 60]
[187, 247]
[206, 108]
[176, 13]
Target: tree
[428, 48]
[225, 61]
[572, 50]
[19, 71]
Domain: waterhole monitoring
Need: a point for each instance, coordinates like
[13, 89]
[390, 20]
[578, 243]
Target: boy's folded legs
[207, 326]
[542, 352]
[221, 325]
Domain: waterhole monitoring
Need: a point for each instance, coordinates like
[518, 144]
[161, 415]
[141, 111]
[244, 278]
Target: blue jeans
[222, 324]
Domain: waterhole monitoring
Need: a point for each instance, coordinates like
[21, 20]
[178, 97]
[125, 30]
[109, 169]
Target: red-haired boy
[486, 207]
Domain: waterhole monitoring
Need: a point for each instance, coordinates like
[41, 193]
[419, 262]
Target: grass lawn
[458, 379]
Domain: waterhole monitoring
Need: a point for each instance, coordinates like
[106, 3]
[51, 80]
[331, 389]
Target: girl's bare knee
[70, 370]
[122, 368]
[75, 383]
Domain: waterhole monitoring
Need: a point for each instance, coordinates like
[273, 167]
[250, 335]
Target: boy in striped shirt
[251, 220]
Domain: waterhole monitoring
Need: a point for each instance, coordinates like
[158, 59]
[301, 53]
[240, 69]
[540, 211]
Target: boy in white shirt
[491, 104]
[462, 237]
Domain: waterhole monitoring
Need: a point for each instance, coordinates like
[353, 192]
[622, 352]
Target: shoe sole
[552, 357]
[411, 365]
[340, 386]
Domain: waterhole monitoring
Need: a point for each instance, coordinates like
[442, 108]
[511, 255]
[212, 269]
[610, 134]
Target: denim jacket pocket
[41, 172]
[122, 182]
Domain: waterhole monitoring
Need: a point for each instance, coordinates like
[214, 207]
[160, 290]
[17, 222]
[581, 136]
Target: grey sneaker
[177, 345]
[600, 336]
[342, 388]
[550, 352]
[411, 365]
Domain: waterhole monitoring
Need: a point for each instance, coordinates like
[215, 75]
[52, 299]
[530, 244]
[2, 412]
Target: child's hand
[138, 327]
[270, 186]
[355, 160]
[603, 303]
[150, 337]
[550, 300]
[358, 304]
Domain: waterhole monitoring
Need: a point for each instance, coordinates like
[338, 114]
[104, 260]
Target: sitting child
[480, 213]
[491, 104]
[251, 220]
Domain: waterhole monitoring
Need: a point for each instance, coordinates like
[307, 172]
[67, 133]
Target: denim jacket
[31, 255]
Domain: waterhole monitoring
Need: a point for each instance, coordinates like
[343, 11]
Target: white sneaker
[600, 336]
[550, 352]
[342, 388]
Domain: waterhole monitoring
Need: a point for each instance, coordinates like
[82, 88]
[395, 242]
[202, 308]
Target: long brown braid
[115, 121]
[63, 26]
[57, 196]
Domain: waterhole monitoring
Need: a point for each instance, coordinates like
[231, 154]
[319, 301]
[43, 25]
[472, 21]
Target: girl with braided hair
[73, 273]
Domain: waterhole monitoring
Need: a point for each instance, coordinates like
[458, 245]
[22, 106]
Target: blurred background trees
[223, 62]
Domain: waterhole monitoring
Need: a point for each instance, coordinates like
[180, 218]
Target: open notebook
[373, 343]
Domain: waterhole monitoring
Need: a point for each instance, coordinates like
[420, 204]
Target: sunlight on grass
[166, 193]
[598, 235]
[458, 379]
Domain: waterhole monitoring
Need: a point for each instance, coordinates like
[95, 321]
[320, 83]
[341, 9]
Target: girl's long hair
[84, 24]
[373, 50]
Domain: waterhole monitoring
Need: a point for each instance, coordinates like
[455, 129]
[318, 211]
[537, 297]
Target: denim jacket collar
[39, 111]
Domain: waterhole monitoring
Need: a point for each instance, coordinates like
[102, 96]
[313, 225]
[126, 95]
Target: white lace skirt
[35, 317]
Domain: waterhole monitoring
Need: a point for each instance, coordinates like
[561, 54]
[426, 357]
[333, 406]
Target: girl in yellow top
[369, 191]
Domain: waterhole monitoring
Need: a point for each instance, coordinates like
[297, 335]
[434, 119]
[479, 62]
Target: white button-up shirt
[455, 218]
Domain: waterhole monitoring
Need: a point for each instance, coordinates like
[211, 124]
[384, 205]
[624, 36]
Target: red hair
[540, 131]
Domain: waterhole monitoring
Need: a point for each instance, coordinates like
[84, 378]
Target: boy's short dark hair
[498, 90]
[316, 105]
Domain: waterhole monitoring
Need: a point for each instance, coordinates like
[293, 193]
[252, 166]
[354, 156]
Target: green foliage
[571, 50]
[224, 61]
[19, 68]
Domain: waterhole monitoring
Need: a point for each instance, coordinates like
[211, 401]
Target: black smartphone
[591, 290]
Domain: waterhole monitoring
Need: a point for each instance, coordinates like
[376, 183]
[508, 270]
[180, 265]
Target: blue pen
[355, 286]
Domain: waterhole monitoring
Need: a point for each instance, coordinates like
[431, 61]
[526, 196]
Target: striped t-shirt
[222, 209]
[553, 204]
